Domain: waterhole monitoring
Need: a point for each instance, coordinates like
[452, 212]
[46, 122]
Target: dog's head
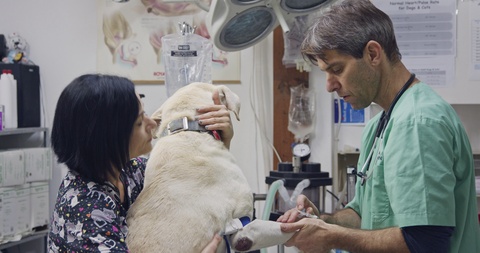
[185, 101]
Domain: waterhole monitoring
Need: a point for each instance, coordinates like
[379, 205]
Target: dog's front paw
[243, 244]
[258, 234]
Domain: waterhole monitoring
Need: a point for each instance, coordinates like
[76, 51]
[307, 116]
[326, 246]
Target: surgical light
[237, 24]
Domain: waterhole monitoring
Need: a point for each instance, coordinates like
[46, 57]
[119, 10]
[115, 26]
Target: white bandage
[233, 226]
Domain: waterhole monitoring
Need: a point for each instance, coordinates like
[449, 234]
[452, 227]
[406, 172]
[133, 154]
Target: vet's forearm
[372, 241]
[345, 218]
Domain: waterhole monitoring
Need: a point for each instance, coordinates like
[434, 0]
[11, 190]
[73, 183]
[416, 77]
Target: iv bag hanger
[237, 24]
[185, 28]
[201, 4]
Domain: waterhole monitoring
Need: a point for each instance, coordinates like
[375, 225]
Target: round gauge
[301, 150]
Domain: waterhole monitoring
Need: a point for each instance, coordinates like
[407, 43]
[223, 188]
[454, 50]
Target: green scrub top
[421, 171]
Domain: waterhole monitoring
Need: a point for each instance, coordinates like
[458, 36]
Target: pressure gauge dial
[301, 150]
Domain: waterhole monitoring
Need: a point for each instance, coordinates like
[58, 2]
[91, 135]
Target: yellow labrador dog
[193, 186]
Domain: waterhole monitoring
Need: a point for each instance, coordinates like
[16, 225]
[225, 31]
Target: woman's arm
[212, 246]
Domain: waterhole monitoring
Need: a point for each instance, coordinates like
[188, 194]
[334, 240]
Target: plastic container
[8, 98]
[301, 114]
[311, 171]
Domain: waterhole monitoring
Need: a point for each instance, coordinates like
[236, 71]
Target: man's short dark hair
[347, 28]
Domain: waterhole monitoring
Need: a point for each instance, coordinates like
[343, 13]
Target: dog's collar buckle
[177, 126]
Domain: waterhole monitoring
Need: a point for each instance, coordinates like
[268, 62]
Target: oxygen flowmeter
[301, 153]
[301, 150]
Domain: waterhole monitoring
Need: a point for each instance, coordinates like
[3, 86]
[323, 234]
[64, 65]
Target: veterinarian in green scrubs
[416, 185]
[100, 130]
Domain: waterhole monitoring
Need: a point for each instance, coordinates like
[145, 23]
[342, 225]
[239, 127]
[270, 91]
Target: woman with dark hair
[99, 132]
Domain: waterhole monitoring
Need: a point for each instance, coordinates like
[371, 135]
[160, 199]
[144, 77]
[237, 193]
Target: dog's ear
[157, 117]
[229, 99]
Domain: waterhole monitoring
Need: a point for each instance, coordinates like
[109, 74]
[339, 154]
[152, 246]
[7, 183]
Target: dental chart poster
[129, 39]
[426, 37]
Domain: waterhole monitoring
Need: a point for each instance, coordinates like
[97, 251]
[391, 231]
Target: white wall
[62, 39]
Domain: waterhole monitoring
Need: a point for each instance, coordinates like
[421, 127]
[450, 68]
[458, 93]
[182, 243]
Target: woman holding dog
[100, 130]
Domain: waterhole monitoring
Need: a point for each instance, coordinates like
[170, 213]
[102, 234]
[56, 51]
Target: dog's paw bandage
[235, 225]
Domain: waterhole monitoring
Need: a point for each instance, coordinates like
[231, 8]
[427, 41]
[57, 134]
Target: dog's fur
[193, 187]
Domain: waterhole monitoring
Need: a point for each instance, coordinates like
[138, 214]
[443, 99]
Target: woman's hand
[217, 117]
[212, 246]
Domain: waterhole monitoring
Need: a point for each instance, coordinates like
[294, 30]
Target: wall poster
[129, 39]
[426, 36]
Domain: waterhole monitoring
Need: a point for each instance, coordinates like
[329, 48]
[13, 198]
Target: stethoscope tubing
[381, 126]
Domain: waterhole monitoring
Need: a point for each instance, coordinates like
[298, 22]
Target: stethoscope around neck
[382, 124]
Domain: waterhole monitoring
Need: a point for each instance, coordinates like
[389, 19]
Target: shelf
[27, 130]
[31, 237]
[349, 153]
[19, 138]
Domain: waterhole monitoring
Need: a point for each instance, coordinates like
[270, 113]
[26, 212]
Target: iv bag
[187, 58]
[293, 41]
[301, 115]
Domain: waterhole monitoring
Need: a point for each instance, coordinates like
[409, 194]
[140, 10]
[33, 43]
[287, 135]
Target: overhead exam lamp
[237, 24]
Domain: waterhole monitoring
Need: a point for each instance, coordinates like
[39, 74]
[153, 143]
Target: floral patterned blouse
[89, 217]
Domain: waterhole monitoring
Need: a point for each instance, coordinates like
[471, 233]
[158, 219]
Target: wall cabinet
[34, 237]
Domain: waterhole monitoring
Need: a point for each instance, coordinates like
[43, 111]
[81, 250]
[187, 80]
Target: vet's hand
[212, 246]
[293, 214]
[311, 235]
[217, 117]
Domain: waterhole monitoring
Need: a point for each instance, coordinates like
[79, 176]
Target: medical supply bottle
[8, 98]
